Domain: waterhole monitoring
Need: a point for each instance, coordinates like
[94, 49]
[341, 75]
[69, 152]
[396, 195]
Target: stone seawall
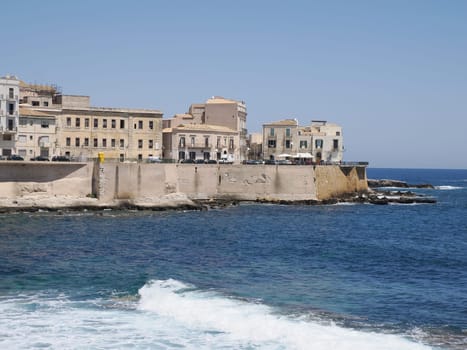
[237, 182]
[54, 185]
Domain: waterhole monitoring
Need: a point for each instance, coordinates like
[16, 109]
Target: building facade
[36, 134]
[319, 142]
[219, 120]
[82, 131]
[9, 114]
[200, 142]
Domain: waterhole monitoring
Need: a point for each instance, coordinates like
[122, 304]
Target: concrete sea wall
[238, 182]
[57, 184]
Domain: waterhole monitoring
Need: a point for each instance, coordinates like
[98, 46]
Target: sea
[250, 276]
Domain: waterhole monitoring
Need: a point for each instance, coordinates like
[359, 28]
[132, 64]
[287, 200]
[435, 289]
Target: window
[122, 124]
[338, 133]
[30, 137]
[68, 121]
[303, 144]
[122, 157]
[114, 123]
[140, 157]
[11, 93]
[23, 121]
[140, 124]
[77, 142]
[192, 141]
[231, 143]
[77, 122]
[8, 137]
[22, 138]
[96, 122]
[95, 142]
[288, 144]
[35, 103]
[181, 143]
[287, 132]
[86, 141]
[192, 155]
[11, 108]
[271, 132]
[181, 155]
[86, 122]
[68, 141]
[206, 141]
[318, 143]
[271, 143]
[122, 143]
[104, 143]
[44, 123]
[225, 141]
[140, 143]
[151, 144]
[218, 144]
[151, 124]
[45, 103]
[104, 123]
[335, 144]
[112, 143]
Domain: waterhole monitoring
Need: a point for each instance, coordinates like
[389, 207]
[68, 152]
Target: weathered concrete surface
[237, 182]
[18, 179]
[170, 185]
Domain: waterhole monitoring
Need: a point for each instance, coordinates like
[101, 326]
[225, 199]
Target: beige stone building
[216, 129]
[82, 131]
[36, 134]
[285, 139]
[200, 142]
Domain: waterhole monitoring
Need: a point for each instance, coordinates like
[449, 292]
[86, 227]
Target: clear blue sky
[392, 73]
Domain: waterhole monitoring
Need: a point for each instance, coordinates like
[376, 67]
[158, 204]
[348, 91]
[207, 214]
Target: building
[216, 129]
[9, 114]
[285, 139]
[82, 131]
[255, 146]
[200, 141]
[36, 134]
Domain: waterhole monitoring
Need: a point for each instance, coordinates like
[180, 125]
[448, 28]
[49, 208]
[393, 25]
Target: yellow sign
[100, 156]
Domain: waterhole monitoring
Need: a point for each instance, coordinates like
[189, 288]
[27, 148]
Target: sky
[392, 73]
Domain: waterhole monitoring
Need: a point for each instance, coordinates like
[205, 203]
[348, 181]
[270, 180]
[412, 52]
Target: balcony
[9, 130]
[198, 145]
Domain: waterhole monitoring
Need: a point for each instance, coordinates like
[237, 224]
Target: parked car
[15, 157]
[212, 161]
[154, 160]
[200, 161]
[188, 161]
[60, 159]
[284, 162]
[40, 159]
[270, 162]
[253, 162]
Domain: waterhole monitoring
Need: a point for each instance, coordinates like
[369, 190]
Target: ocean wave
[238, 323]
[448, 188]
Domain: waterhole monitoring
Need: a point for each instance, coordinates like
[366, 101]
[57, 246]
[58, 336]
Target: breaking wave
[234, 323]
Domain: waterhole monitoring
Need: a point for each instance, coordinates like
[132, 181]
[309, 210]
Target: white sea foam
[170, 314]
[238, 323]
[447, 187]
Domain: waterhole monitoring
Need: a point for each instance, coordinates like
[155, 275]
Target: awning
[284, 155]
[303, 155]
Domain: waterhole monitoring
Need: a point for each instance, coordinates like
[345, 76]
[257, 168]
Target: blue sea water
[252, 276]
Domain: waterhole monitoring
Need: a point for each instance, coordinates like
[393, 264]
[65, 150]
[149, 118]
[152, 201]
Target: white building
[9, 114]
